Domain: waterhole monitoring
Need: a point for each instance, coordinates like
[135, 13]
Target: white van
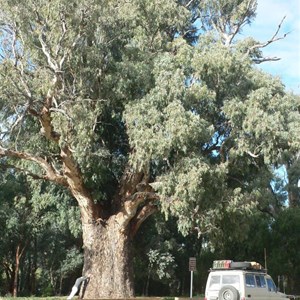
[230, 280]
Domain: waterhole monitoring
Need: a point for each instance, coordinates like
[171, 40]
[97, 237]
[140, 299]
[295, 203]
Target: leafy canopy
[123, 84]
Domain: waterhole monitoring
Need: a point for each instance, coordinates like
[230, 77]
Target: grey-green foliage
[215, 136]
[161, 263]
[38, 218]
[129, 86]
[93, 58]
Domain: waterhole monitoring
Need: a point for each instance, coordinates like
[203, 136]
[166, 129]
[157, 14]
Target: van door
[273, 294]
[213, 286]
[255, 287]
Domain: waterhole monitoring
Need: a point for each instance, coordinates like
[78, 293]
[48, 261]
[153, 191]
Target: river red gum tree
[59, 61]
[112, 100]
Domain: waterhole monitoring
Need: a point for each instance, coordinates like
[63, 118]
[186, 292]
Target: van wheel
[228, 292]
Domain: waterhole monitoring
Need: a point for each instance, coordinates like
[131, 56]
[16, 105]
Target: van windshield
[271, 285]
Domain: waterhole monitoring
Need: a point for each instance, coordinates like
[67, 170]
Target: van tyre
[228, 292]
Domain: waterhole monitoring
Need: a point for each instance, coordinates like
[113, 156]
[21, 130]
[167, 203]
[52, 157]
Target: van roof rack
[237, 265]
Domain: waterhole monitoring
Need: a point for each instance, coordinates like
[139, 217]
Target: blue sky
[269, 15]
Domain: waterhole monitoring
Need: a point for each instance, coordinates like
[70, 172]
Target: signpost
[192, 268]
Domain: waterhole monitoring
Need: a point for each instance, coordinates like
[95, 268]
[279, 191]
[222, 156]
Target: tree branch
[253, 154]
[189, 3]
[51, 173]
[273, 39]
[237, 27]
[133, 202]
[26, 172]
[130, 207]
[264, 59]
[142, 215]
[76, 185]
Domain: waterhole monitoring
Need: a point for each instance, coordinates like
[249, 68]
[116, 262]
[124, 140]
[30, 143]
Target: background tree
[17, 230]
[284, 259]
[113, 102]
[36, 244]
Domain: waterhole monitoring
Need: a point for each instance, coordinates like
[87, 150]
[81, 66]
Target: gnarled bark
[107, 260]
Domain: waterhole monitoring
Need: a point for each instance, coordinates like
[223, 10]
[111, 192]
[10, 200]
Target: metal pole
[265, 254]
[191, 290]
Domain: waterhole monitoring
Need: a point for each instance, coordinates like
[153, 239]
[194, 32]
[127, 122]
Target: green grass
[34, 298]
[76, 298]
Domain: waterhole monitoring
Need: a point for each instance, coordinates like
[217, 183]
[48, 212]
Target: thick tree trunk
[107, 260]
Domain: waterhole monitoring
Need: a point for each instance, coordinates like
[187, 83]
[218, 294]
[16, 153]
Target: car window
[271, 285]
[233, 280]
[250, 281]
[214, 283]
[260, 281]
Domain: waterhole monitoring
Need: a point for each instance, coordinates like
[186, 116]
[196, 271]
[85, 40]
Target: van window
[260, 281]
[233, 280]
[250, 281]
[214, 284]
[271, 285]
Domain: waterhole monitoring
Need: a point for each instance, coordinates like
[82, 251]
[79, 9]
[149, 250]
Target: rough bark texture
[107, 260]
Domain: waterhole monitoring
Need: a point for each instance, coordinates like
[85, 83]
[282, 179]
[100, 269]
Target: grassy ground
[76, 298]
[34, 298]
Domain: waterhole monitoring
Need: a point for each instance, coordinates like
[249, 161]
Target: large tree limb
[141, 216]
[76, 185]
[47, 127]
[235, 28]
[131, 205]
[6, 166]
[71, 178]
[71, 171]
[50, 173]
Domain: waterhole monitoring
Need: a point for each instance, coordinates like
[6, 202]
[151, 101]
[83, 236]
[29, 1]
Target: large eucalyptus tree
[112, 100]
